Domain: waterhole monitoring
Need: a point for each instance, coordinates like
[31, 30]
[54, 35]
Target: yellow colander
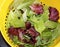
[4, 9]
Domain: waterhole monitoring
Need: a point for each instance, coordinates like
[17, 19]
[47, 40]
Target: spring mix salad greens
[32, 24]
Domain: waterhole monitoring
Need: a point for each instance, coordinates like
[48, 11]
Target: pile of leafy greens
[48, 30]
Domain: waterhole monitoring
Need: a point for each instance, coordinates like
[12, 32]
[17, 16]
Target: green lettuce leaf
[15, 20]
[16, 41]
[39, 26]
[25, 16]
[26, 3]
[37, 23]
[56, 32]
[50, 24]
[28, 45]
[38, 41]
[45, 15]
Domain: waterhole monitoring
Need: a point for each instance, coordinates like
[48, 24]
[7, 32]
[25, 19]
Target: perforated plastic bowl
[4, 9]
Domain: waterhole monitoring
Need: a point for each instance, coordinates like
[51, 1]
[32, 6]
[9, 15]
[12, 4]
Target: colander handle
[3, 10]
